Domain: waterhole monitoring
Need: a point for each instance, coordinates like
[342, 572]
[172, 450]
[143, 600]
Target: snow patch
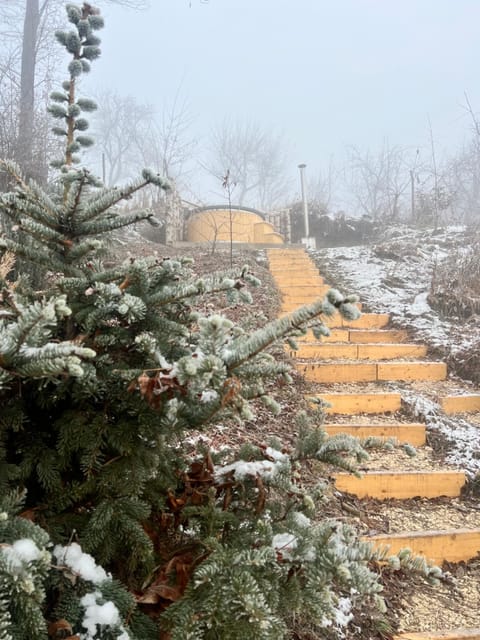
[21, 553]
[83, 564]
[98, 617]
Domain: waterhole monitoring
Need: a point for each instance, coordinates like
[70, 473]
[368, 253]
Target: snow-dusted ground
[394, 276]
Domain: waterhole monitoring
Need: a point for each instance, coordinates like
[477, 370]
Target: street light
[307, 241]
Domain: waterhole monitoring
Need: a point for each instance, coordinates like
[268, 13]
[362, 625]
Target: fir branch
[99, 203]
[39, 257]
[112, 222]
[242, 350]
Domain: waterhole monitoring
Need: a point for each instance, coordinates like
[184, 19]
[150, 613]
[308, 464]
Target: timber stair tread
[467, 403]
[358, 336]
[373, 413]
[437, 545]
[358, 403]
[365, 321]
[356, 351]
[372, 371]
[401, 484]
[408, 433]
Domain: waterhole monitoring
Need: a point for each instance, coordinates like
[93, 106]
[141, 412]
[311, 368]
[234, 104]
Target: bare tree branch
[256, 159]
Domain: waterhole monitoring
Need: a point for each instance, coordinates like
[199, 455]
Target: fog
[324, 74]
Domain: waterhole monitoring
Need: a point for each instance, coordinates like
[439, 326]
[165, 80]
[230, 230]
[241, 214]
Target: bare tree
[117, 131]
[165, 141]
[256, 159]
[463, 174]
[322, 187]
[378, 181]
[129, 133]
[27, 27]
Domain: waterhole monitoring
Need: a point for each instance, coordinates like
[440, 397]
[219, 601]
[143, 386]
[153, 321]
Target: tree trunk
[27, 88]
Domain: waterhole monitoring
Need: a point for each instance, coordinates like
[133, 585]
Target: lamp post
[307, 241]
[304, 199]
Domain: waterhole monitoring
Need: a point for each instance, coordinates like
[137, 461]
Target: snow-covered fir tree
[105, 520]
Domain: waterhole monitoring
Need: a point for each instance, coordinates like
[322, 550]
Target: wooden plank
[402, 484]
[336, 335]
[288, 298]
[460, 404]
[411, 433]
[455, 545]
[294, 269]
[353, 403]
[354, 372]
[326, 351]
[290, 308]
[455, 634]
[288, 255]
[334, 321]
[295, 303]
[368, 321]
[389, 351]
[287, 250]
[301, 290]
[293, 297]
[289, 280]
[370, 372]
[361, 352]
[282, 272]
[412, 371]
[365, 336]
[285, 262]
[318, 350]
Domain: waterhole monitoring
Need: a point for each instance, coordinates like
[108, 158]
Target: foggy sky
[326, 73]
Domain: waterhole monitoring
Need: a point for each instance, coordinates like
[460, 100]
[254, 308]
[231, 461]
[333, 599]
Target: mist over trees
[257, 160]
[129, 133]
[383, 183]
[28, 63]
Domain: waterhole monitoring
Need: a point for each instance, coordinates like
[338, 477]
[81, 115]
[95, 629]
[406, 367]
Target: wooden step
[411, 433]
[319, 372]
[301, 290]
[460, 404]
[412, 371]
[336, 335]
[372, 371]
[291, 280]
[285, 263]
[455, 634]
[294, 268]
[383, 336]
[300, 301]
[354, 403]
[359, 351]
[453, 545]
[359, 336]
[292, 303]
[367, 321]
[402, 484]
[284, 255]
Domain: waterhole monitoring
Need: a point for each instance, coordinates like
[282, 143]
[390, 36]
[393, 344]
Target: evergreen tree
[102, 373]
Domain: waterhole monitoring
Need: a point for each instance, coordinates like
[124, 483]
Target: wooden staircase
[362, 352]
